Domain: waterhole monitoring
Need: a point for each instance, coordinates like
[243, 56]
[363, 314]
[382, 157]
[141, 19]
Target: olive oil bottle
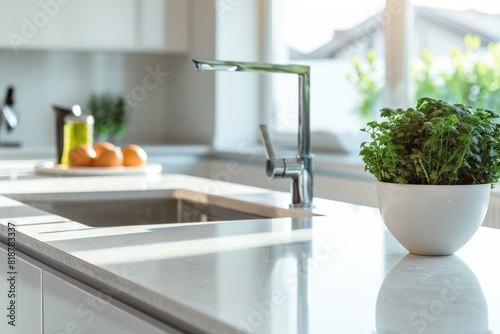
[77, 130]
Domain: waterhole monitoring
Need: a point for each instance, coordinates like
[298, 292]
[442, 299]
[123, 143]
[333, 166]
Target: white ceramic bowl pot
[433, 219]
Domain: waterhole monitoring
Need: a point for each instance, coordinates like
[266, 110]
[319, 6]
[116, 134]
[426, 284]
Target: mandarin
[134, 156]
[109, 158]
[81, 156]
[103, 145]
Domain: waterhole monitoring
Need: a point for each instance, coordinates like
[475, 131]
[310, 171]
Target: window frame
[398, 19]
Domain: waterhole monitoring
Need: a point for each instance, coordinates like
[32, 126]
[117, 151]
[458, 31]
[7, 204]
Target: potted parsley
[435, 165]
[110, 114]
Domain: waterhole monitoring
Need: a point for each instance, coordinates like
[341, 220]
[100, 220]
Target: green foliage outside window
[367, 83]
[474, 79]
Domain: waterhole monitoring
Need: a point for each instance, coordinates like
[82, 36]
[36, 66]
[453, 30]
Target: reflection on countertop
[11, 170]
[434, 295]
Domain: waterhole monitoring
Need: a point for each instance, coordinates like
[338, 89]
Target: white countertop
[339, 273]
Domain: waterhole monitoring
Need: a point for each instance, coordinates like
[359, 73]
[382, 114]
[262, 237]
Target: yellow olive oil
[77, 131]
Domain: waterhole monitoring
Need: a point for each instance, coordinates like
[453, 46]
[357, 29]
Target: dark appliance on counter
[8, 116]
[61, 113]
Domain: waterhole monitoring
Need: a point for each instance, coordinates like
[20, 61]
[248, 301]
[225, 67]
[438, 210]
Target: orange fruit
[101, 146]
[134, 155]
[109, 158]
[81, 156]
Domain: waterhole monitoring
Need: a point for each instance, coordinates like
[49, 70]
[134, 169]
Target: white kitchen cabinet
[47, 301]
[492, 218]
[103, 25]
[72, 307]
[67, 24]
[26, 293]
[163, 25]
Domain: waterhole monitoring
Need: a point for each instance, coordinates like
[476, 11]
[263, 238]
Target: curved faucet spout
[239, 66]
[299, 168]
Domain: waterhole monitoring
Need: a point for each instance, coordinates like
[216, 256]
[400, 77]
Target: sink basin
[125, 208]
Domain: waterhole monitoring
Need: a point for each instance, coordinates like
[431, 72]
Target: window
[456, 52]
[326, 35]
[329, 34]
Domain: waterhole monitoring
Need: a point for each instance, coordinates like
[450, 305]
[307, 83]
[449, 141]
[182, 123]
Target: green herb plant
[436, 143]
[110, 114]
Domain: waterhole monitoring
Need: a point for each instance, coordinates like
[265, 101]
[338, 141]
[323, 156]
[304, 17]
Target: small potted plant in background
[435, 165]
[110, 114]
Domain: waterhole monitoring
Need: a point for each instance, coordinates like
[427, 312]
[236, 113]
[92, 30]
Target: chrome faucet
[300, 167]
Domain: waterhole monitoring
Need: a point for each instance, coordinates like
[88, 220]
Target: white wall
[179, 110]
[238, 95]
[43, 78]
[191, 93]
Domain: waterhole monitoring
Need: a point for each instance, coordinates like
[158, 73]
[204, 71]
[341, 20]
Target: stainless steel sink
[150, 207]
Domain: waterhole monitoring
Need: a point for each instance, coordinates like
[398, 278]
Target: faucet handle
[274, 167]
[268, 145]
